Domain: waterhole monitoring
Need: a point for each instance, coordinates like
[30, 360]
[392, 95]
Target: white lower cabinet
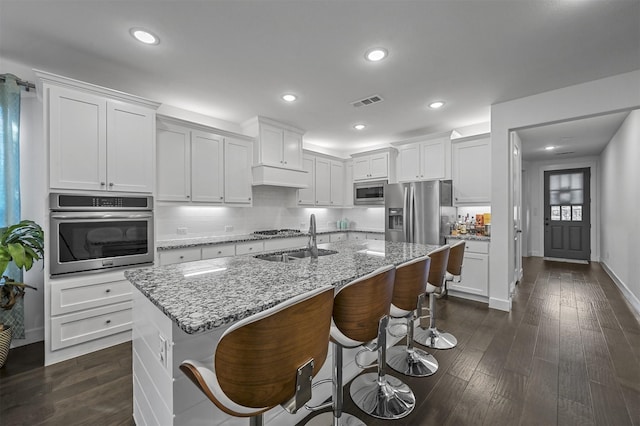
[86, 313]
[213, 252]
[169, 257]
[361, 236]
[475, 269]
[249, 248]
[163, 395]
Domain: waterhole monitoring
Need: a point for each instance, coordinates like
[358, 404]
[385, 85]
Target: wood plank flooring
[567, 354]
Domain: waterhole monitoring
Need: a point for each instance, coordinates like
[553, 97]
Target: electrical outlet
[228, 228]
[181, 231]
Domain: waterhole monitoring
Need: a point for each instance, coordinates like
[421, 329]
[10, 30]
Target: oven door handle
[101, 215]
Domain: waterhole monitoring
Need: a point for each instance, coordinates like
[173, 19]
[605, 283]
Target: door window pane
[566, 189]
[555, 212]
[576, 213]
[566, 212]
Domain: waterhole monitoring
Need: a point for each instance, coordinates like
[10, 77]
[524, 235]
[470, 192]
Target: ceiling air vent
[565, 153]
[367, 101]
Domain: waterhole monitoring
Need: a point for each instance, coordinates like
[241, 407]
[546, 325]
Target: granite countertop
[207, 294]
[176, 243]
[469, 237]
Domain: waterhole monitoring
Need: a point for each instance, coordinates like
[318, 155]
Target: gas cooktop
[277, 232]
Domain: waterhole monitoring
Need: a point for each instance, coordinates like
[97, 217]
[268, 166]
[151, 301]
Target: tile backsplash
[273, 208]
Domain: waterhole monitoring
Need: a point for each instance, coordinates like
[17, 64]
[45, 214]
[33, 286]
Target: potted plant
[22, 244]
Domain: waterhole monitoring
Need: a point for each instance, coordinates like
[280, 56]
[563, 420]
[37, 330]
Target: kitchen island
[180, 312]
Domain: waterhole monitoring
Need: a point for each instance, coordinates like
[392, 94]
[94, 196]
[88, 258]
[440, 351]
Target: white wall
[592, 98]
[273, 208]
[620, 207]
[535, 202]
[33, 195]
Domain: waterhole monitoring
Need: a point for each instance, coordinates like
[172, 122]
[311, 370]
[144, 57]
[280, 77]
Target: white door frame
[516, 203]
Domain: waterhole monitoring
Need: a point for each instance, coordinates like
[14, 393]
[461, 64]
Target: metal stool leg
[336, 417]
[408, 360]
[432, 337]
[379, 395]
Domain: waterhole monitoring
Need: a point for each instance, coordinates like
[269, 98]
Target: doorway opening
[567, 217]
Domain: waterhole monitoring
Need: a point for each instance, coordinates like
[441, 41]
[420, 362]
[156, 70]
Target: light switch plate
[181, 231]
[228, 228]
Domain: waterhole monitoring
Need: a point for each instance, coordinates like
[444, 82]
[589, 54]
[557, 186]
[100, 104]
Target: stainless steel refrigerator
[419, 212]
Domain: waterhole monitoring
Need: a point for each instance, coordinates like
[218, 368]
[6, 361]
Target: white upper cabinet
[374, 165]
[471, 169]
[237, 175]
[199, 166]
[279, 147]
[425, 160]
[98, 143]
[327, 184]
[207, 167]
[306, 196]
[277, 158]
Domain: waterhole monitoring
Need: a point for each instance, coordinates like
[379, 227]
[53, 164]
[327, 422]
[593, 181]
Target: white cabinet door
[337, 184]
[130, 154]
[323, 182]
[237, 174]
[379, 165]
[348, 184]
[169, 257]
[475, 274]
[292, 150]
[409, 159]
[77, 138]
[361, 168]
[173, 150]
[306, 196]
[432, 159]
[207, 167]
[271, 145]
[471, 163]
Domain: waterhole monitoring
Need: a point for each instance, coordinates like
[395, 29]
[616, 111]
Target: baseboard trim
[631, 298]
[468, 296]
[559, 259]
[500, 304]
[32, 335]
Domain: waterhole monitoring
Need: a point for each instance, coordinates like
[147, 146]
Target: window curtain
[10, 183]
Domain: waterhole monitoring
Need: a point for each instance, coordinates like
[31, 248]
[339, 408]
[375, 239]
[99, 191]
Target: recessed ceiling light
[144, 36]
[376, 54]
[289, 97]
[359, 126]
[436, 104]
[549, 148]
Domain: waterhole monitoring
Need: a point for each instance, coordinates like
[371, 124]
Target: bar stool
[432, 337]
[268, 358]
[360, 314]
[408, 295]
[454, 265]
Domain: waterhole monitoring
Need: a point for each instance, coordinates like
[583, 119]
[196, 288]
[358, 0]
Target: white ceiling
[232, 59]
[576, 138]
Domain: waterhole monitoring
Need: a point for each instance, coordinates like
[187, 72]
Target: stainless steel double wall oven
[97, 232]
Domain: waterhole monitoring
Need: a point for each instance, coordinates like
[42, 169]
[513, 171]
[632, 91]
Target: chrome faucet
[313, 243]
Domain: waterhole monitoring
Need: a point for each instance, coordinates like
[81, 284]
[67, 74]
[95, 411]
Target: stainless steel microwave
[369, 193]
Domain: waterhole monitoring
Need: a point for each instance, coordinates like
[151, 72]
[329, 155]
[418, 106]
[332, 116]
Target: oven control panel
[99, 202]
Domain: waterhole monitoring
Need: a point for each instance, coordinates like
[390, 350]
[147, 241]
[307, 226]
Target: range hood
[279, 176]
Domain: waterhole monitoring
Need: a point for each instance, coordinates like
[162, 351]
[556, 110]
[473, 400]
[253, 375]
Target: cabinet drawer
[357, 236]
[337, 237]
[476, 247]
[80, 327]
[322, 238]
[376, 236]
[218, 251]
[74, 296]
[247, 248]
[170, 257]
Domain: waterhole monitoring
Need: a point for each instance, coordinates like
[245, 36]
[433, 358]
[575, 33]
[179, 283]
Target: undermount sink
[293, 256]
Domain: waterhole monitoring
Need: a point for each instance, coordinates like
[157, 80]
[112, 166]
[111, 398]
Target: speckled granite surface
[203, 295]
[469, 237]
[170, 244]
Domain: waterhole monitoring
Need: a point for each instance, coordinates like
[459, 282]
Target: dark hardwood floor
[567, 354]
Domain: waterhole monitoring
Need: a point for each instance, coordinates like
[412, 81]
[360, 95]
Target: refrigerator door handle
[405, 224]
[412, 206]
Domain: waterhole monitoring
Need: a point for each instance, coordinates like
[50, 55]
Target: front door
[567, 221]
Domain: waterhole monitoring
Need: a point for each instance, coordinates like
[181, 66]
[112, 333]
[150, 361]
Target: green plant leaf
[17, 253]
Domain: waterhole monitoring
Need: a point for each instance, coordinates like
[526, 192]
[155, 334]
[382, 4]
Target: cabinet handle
[250, 248]
[110, 184]
[181, 257]
[102, 184]
[285, 162]
[108, 321]
[188, 196]
[219, 251]
[108, 290]
[249, 198]
[221, 198]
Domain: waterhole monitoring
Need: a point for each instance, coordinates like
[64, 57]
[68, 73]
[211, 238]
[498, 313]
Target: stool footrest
[303, 388]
